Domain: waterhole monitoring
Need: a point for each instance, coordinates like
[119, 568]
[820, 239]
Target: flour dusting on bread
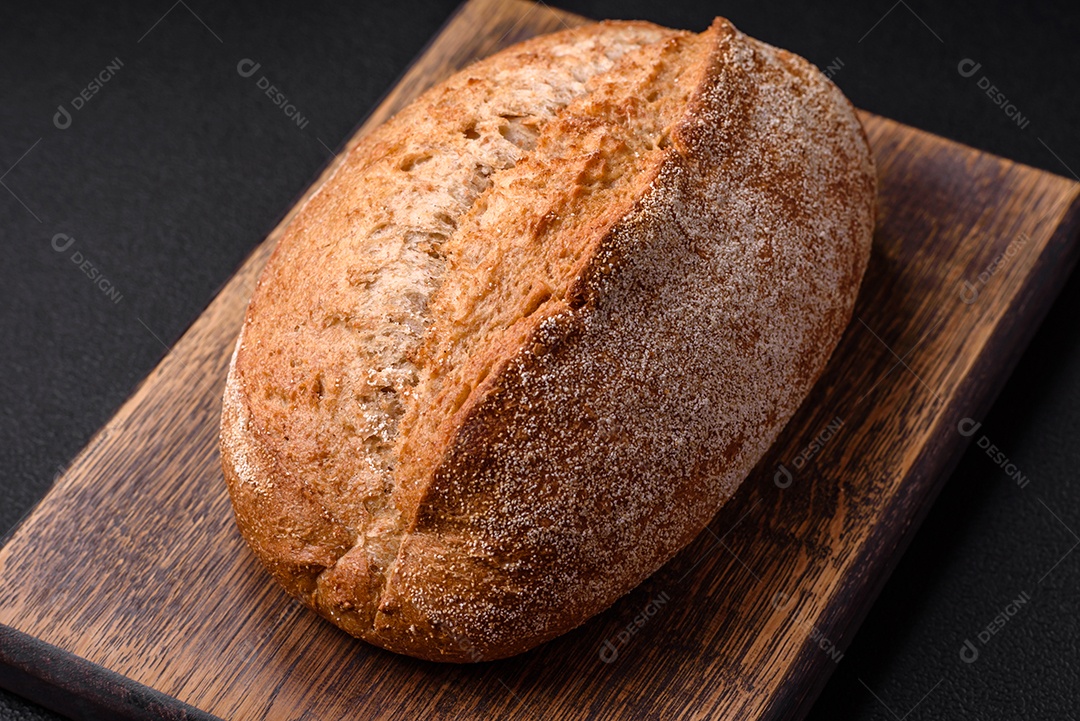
[538, 327]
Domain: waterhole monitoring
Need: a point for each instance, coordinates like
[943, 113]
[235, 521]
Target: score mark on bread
[537, 328]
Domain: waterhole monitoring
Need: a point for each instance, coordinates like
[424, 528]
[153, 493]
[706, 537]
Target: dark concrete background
[172, 173]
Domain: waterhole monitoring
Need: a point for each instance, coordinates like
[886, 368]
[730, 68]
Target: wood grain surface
[132, 561]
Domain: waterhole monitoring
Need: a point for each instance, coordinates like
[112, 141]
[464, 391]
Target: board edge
[78, 688]
[993, 369]
[70, 685]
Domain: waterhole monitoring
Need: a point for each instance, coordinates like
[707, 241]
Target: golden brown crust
[562, 436]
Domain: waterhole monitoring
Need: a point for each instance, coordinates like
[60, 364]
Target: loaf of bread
[538, 327]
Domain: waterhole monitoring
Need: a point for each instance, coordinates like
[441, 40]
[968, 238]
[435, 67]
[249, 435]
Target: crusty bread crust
[617, 321]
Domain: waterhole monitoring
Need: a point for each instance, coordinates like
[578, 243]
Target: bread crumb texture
[537, 328]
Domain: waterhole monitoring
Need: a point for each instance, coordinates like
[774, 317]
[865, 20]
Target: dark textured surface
[172, 173]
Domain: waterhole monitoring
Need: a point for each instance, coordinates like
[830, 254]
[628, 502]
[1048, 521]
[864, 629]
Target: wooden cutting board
[129, 593]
